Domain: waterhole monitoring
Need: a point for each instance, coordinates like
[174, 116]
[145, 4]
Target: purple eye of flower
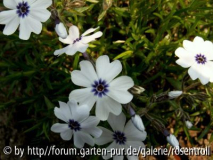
[100, 88]
[119, 137]
[23, 9]
[77, 40]
[200, 59]
[74, 125]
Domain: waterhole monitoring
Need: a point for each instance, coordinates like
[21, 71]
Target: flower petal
[41, 15]
[80, 138]
[35, 25]
[41, 4]
[73, 32]
[118, 157]
[80, 113]
[7, 16]
[132, 157]
[94, 131]
[118, 89]
[58, 127]
[11, 4]
[109, 149]
[66, 110]
[193, 72]
[106, 70]
[105, 137]
[24, 30]
[117, 122]
[208, 50]
[89, 31]
[186, 58]
[92, 37]
[203, 72]
[63, 50]
[132, 133]
[88, 71]
[122, 83]
[83, 96]
[31, 1]
[60, 115]
[66, 135]
[80, 79]
[91, 121]
[105, 105]
[67, 40]
[11, 27]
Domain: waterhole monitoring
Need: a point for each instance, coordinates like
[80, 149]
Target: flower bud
[172, 140]
[136, 90]
[61, 30]
[174, 94]
[188, 124]
[138, 123]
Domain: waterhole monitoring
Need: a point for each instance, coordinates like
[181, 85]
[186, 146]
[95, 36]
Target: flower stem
[192, 86]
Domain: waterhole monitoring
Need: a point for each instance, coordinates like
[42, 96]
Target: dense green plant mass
[143, 34]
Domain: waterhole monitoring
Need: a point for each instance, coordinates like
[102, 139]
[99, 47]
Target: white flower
[108, 94]
[137, 121]
[77, 43]
[188, 124]
[61, 30]
[78, 123]
[172, 140]
[122, 137]
[197, 55]
[174, 94]
[28, 13]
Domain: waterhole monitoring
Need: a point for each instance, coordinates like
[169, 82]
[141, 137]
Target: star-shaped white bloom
[108, 94]
[28, 13]
[78, 123]
[197, 55]
[123, 138]
[76, 42]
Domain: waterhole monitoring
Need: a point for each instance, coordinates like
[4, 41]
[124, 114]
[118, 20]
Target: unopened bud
[138, 123]
[136, 90]
[174, 94]
[61, 30]
[188, 124]
[172, 140]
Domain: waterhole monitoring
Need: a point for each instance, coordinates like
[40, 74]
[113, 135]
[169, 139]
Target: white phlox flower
[61, 30]
[123, 137]
[172, 140]
[188, 124]
[27, 13]
[197, 55]
[76, 42]
[78, 124]
[101, 87]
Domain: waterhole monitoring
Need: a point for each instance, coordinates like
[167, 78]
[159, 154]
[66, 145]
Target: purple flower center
[74, 125]
[200, 59]
[100, 88]
[119, 137]
[22, 9]
[77, 40]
